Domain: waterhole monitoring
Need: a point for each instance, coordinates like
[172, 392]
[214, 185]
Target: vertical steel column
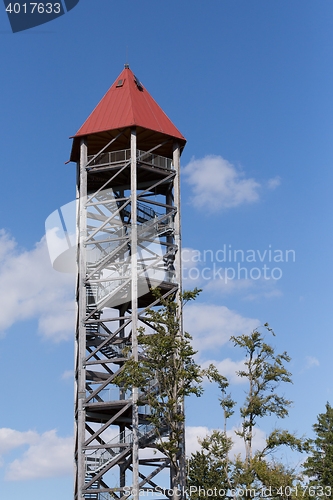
[176, 194]
[134, 290]
[178, 268]
[122, 396]
[82, 304]
[77, 329]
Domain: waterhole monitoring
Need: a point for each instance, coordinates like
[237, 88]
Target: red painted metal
[125, 106]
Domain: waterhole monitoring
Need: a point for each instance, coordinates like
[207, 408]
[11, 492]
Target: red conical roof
[127, 103]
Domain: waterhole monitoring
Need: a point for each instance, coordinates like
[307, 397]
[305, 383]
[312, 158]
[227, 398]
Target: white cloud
[248, 289]
[258, 442]
[274, 183]
[222, 286]
[311, 361]
[31, 288]
[7, 244]
[68, 374]
[192, 434]
[48, 456]
[228, 368]
[211, 326]
[11, 439]
[191, 258]
[191, 268]
[270, 294]
[200, 269]
[217, 184]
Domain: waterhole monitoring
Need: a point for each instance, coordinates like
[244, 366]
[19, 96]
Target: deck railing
[124, 155]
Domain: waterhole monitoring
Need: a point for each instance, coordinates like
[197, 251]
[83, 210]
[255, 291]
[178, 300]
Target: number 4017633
[31, 8]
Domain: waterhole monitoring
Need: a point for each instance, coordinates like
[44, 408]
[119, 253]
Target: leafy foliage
[319, 465]
[208, 468]
[264, 370]
[166, 372]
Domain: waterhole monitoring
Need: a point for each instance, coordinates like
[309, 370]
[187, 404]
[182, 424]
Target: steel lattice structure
[128, 232]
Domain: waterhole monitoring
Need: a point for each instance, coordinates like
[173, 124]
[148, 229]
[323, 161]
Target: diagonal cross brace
[108, 423]
[96, 391]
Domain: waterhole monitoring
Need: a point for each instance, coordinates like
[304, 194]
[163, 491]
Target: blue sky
[249, 84]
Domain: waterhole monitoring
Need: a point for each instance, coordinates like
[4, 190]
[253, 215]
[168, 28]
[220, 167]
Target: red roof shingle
[128, 105]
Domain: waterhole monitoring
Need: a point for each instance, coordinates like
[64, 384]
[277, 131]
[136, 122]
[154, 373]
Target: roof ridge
[130, 94]
[125, 105]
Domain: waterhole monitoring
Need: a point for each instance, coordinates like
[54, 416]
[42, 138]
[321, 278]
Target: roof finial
[126, 65]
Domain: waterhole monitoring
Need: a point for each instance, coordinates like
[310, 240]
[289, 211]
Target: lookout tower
[128, 234]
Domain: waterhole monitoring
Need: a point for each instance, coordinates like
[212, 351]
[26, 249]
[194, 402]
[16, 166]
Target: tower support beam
[81, 334]
[129, 243]
[134, 286]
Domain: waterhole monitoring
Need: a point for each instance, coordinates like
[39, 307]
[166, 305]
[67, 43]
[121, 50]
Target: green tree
[264, 370]
[319, 465]
[165, 374]
[207, 468]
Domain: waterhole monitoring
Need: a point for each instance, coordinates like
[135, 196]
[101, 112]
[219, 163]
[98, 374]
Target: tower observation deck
[128, 235]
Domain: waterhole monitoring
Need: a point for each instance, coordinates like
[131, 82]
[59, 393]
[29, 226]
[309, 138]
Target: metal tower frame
[128, 241]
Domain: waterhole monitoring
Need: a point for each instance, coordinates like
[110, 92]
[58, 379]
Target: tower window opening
[138, 83]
